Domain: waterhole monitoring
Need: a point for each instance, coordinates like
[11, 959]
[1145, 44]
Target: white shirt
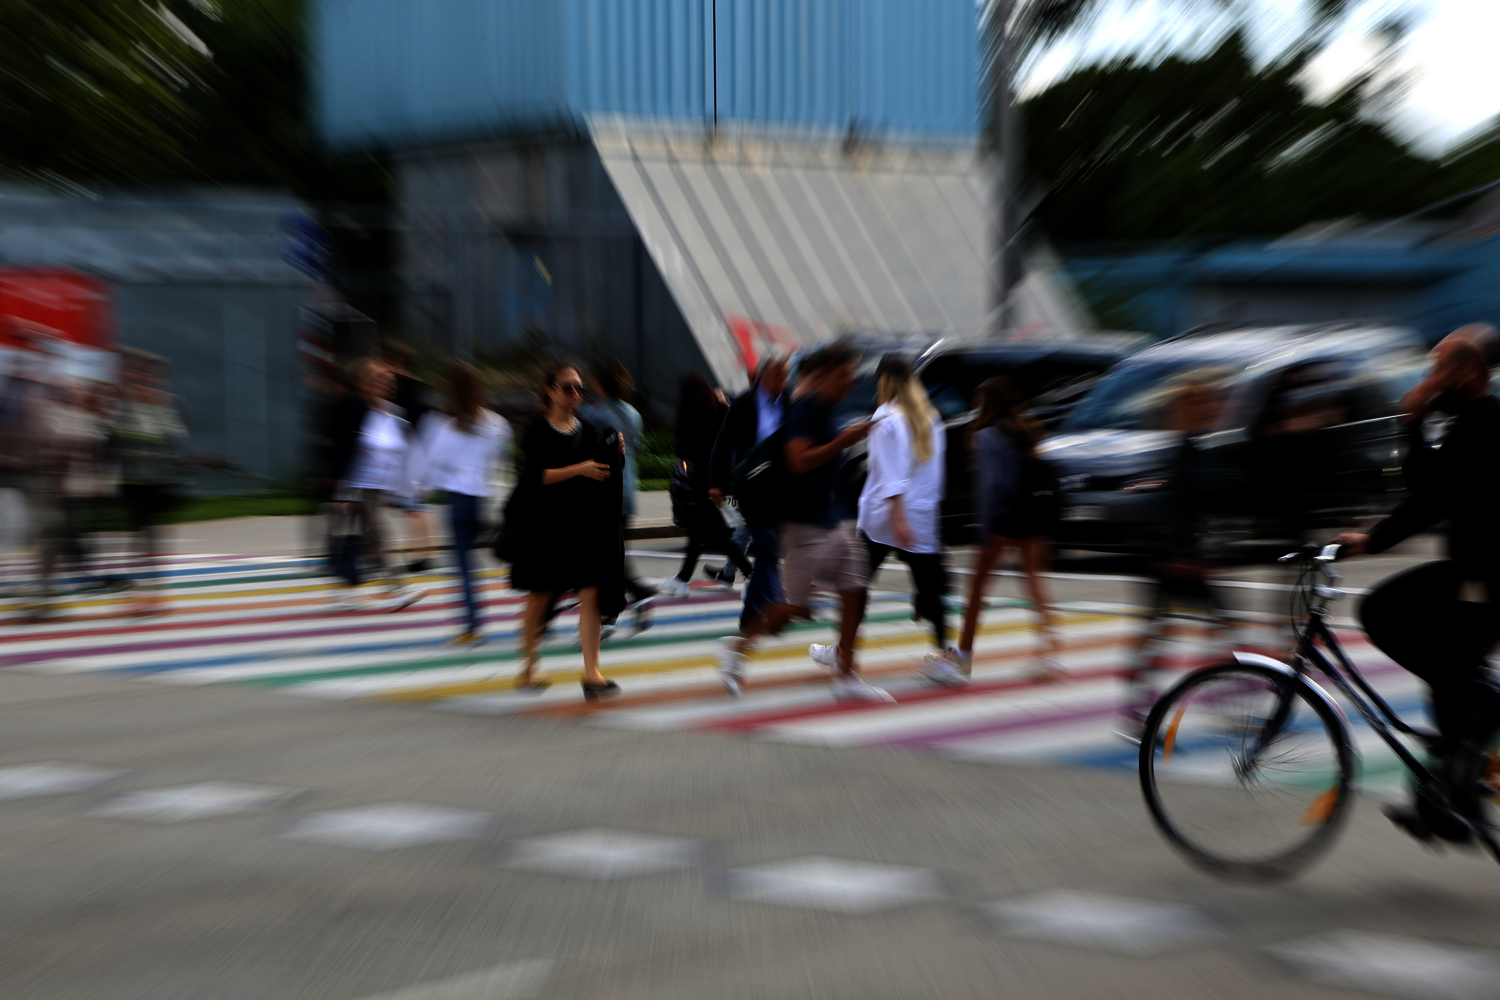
[895, 472]
[380, 456]
[448, 458]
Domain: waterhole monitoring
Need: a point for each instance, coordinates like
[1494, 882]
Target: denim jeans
[463, 517]
[764, 588]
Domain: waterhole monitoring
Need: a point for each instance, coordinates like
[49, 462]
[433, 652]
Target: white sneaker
[672, 587]
[944, 668]
[346, 602]
[731, 665]
[824, 654]
[854, 688]
[404, 597]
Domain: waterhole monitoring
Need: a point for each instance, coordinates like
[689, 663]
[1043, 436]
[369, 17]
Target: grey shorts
[834, 557]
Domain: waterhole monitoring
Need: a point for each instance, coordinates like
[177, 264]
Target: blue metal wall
[404, 72]
[1445, 286]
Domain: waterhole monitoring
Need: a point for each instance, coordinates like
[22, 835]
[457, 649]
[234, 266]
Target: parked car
[1053, 376]
[1308, 434]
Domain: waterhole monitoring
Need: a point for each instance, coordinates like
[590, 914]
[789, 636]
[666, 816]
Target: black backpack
[1037, 494]
[759, 485]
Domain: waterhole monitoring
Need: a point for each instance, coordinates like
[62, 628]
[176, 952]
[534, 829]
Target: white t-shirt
[895, 471]
[448, 458]
[380, 456]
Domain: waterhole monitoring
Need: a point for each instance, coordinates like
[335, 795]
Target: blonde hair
[911, 400]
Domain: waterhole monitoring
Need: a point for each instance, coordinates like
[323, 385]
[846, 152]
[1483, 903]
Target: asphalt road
[158, 841]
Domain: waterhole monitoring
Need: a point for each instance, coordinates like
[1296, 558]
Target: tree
[1212, 147]
[164, 93]
[93, 89]
[177, 91]
[1013, 30]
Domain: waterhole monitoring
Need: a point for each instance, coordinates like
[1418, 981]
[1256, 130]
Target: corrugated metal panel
[396, 71]
[790, 243]
[404, 72]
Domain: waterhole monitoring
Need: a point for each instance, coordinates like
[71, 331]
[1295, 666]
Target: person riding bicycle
[1441, 619]
[1177, 559]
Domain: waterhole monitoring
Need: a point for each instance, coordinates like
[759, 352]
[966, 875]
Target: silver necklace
[571, 429]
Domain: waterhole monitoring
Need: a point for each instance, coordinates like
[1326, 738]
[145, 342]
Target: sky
[1448, 58]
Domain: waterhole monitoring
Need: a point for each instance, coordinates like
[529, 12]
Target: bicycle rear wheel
[1246, 770]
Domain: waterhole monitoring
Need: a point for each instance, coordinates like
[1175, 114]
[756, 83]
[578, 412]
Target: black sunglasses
[571, 388]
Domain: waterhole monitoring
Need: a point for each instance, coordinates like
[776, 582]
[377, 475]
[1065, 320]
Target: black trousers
[635, 587]
[708, 532]
[1418, 619]
[929, 577]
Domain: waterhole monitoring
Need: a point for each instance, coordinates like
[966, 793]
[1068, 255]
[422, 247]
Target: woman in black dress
[566, 515]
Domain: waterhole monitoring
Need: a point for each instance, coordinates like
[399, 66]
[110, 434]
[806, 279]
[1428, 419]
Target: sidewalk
[300, 535]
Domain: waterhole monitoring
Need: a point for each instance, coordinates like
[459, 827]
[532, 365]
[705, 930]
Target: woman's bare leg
[148, 593]
[536, 613]
[984, 563]
[1034, 553]
[588, 634]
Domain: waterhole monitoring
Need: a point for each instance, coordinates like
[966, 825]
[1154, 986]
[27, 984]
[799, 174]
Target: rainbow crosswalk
[268, 622]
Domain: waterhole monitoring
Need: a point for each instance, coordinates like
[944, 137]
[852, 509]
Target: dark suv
[1053, 376]
[1307, 434]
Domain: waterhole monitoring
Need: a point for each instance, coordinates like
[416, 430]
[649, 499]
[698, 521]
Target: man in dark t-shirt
[815, 546]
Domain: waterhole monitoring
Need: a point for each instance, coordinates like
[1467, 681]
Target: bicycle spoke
[1243, 771]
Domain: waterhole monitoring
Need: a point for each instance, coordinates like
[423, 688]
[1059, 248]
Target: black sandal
[537, 686]
[592, 692]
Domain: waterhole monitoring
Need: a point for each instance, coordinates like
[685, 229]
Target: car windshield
[1129, 398]
[952, 380]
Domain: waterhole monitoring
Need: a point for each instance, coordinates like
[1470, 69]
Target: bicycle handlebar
[1314, 553]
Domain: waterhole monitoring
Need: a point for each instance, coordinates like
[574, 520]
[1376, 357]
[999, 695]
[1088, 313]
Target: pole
[1004, 272]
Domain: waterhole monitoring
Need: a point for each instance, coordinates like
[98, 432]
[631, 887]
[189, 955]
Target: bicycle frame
[1353, 685]
[1365, 699]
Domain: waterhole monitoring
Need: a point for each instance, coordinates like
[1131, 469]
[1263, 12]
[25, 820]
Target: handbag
[509, 534]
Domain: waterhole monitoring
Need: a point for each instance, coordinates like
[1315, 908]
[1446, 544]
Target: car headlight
[1153, 481]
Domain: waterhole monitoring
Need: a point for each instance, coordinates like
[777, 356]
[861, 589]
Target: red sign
[753, 337]
[54, 303]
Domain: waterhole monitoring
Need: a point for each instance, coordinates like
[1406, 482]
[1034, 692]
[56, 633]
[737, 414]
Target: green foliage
[270, 504]
[657, 456]
[1213, 147]
[171, 92]
[252, 113]
[112, 516]
[93, 89]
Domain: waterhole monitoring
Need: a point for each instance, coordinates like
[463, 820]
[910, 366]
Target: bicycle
[1248, 766]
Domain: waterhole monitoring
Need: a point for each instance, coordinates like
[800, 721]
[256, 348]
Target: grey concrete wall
[233, 350]
[506, 242]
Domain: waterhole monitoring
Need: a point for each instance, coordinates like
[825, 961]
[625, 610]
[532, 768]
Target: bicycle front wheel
[1246, 770]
